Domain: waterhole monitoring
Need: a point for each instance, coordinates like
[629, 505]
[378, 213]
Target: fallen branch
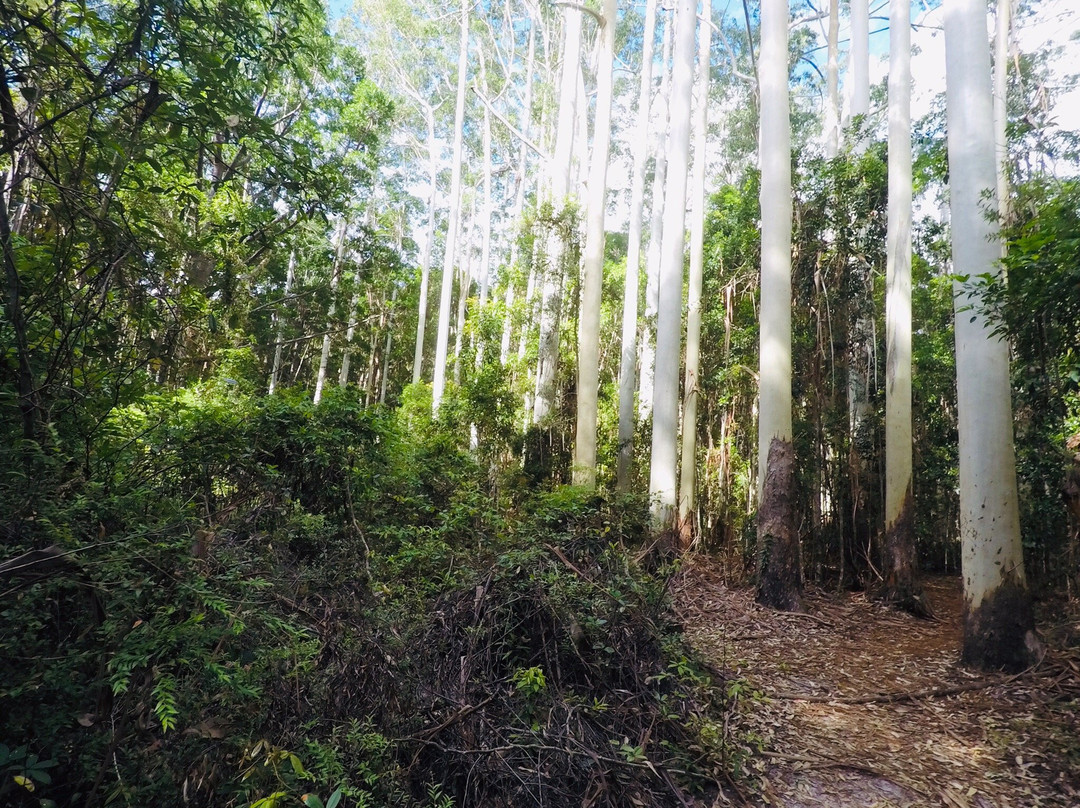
[906, 695]
[453, 719]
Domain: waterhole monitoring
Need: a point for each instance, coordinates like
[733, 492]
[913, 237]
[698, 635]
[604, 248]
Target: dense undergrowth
[251, 601]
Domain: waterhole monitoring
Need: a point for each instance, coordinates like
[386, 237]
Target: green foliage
[263, 595]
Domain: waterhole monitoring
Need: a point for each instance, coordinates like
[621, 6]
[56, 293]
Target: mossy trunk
[779, 569]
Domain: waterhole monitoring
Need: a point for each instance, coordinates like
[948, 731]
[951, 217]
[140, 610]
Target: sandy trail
[926, 733]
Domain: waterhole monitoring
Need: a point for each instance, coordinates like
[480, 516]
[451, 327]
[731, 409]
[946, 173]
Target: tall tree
[779, 566]
[998, 619]
[1002, 33]
[279, 320]
[832, 82]
[901, 586]
[688, 468]
[663, 467]
[647, 361]
[442, 343]
[862, 344]
[429, 242]
[592, 274]
[561, 190]
[335, 278]
[628, 357]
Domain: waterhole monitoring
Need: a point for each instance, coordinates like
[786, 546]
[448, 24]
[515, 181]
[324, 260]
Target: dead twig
[905, 695]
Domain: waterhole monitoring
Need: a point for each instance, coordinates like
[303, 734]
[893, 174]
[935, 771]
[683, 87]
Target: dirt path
[930, 733]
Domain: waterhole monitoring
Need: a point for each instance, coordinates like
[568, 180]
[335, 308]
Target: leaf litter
[864, 707]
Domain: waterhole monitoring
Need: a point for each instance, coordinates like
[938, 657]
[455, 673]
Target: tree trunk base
[902, 589]
[779, 570]
[1000, 633]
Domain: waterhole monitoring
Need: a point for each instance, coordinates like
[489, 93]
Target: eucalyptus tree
[335, 279]
[520, 184]
[861, 350]
[688, 467]
[560, 172]
[592, 274]
[998, 619]
[664, 455]
[450, 255]
[901, 561]
[279, 321]
[779, 565]
[647, 360]
[1002, 34]
[832, 82]
[628, 357]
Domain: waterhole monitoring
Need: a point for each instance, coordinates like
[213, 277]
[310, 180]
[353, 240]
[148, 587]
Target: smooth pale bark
[551, 297]
[442, 343]
[862, 343]
[628, 357]
[519, 198]
[335, 275]
[688, 467]
[464, 288]
[998, 622]
[290, 275]
[779, 573]
[859, 56]
[429, 243]
[592, 272]
[832, 83]
[485, 222]
[901, 562]
[1003, 30]
[656, 225]
[485, 241]
[664, 457]
[350, 332]
[386, 348]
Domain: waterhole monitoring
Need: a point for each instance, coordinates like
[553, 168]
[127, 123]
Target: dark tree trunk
[779, 568]
[902, 589]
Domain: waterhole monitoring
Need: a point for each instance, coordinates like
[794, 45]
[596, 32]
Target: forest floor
[855, 705]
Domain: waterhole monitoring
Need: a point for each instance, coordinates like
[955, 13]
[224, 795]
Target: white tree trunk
[442, 344]
[385, 372]
[429, 243]
[861, 339]
[664, 457]
[656, 224]
[628, 358]
[464, 288]
[519, 199]
[350, 332]
[688, 467]
[551, 297]
[998, 624]
[335, 274]
[1002, 33]
[901, 588]
[779, 583]
[859, 66]
[592, 274]
[832, 82]
[290, 274]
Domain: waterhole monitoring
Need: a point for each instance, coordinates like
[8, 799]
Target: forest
[540, 403]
